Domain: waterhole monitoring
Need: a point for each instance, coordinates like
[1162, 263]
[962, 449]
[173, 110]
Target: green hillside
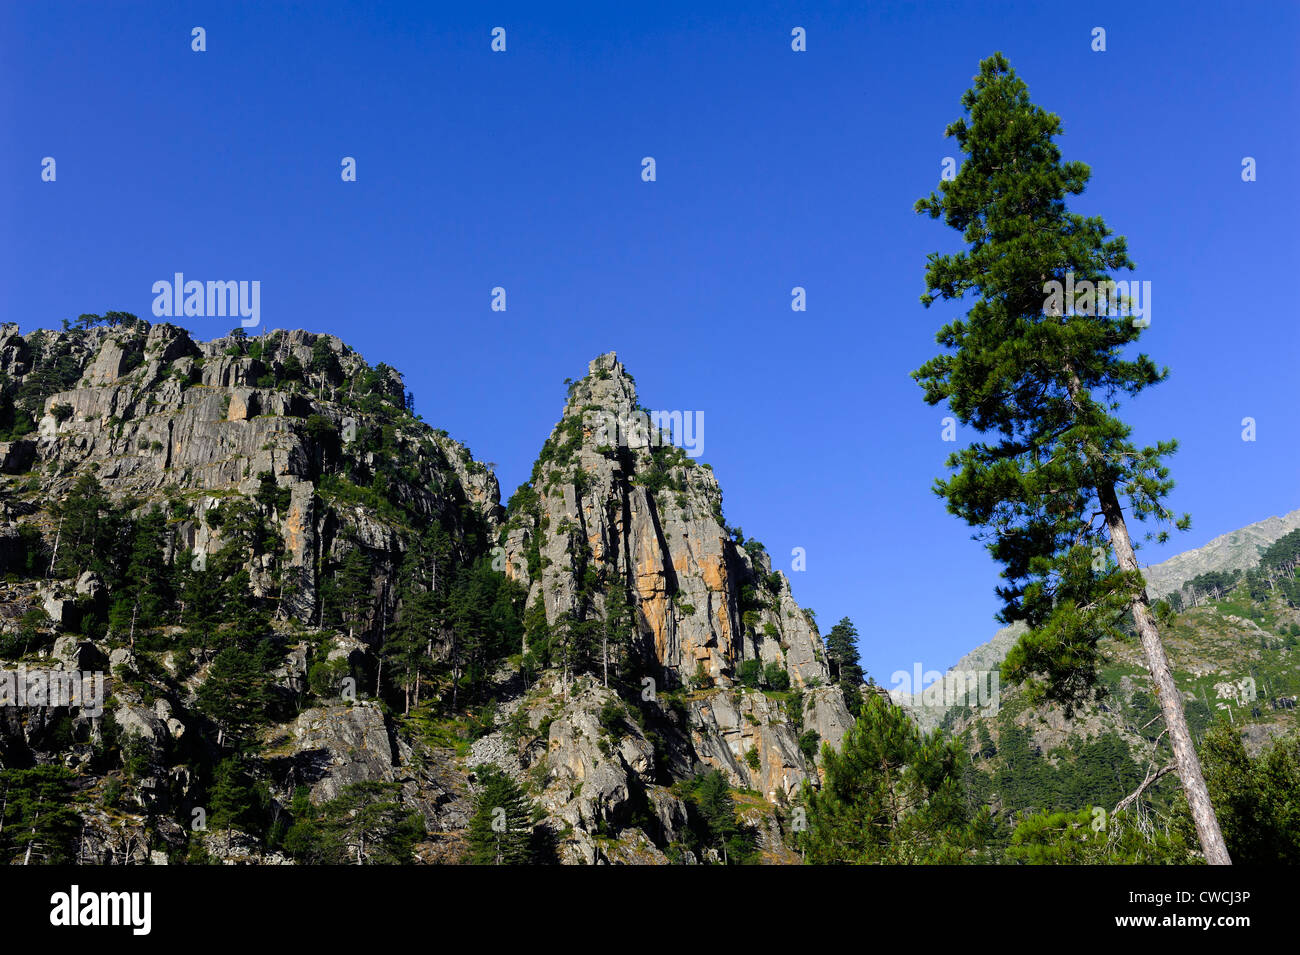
[1232, 639]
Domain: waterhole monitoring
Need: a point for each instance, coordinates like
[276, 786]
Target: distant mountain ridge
[1235, 550]
[985, 657]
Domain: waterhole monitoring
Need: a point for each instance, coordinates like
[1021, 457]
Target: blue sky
[775, 169]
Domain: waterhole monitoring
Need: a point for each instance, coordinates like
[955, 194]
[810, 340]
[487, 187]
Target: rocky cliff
[157, 416]
[273, 461]
[612, 494]
[296, 584]
[616, 513]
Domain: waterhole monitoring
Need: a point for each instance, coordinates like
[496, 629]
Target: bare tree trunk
[455, 670]
[1171, 703]
[1157, 662]
[58, 534]
[27, 856]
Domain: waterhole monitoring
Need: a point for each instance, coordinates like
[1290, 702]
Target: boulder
[77, 653]
[333, 746]
[16, 457]
[90, 585]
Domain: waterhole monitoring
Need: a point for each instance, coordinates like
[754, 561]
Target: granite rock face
[612, 495]
[594, 774]
[320, 444]
[156, 414]
[337, 745]
[293, 423]
[649, 514]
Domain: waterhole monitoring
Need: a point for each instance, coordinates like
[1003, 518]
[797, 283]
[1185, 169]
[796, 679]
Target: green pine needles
[1041, 376]
[1043, 383]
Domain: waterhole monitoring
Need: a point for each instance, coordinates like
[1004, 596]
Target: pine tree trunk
[27, 856]
[54, 555]
[1162, 678]
[1171, 702]
[455, 670]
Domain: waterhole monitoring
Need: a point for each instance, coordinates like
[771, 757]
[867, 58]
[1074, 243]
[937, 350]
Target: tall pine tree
[1041, 375]
[501, 829]
[842, 652]
[891, 795]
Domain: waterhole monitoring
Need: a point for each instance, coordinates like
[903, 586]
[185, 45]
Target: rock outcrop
[280, 459]
[648, 514]
[612, 499]
[155, 414]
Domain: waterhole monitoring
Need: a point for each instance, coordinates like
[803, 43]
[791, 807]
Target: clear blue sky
[775, 169]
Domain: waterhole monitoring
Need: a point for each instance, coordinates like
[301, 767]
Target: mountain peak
[617, 516]
[633, 638]
[606, 387]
